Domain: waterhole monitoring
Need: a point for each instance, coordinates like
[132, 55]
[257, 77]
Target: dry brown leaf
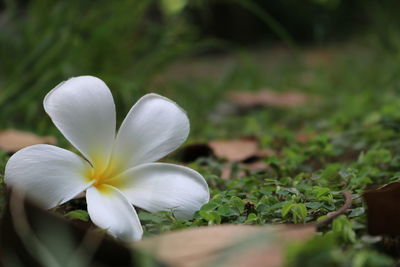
[14, 140]
[245, 151]
[233, 150]
[225, 245]
[318, 57]
[383, 209]
[304, 137]
[289, 99]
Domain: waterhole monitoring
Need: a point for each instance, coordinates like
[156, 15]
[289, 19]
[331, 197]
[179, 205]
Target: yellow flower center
[105, 176]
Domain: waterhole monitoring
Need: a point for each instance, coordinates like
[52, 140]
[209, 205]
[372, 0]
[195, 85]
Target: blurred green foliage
[46, 42]
[353, 129]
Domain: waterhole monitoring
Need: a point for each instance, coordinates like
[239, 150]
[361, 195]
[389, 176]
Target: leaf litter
[225, 245]
[13, 140]
[233, 245]
[269, 98]
[245, 151]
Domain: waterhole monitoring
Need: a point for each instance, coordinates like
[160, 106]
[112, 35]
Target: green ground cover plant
[353, 145]
[352, 130]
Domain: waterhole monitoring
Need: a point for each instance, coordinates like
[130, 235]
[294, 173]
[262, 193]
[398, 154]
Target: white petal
[83, 109]
[154, 127]
[48, 174]
[160, 186]
[109, 209]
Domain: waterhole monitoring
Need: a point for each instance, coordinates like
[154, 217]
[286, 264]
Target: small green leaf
[343, 227]
[251, 218]
[286, 208]
[357, 212]
[212, 217]
[238, 203]
[227, 211]
[81, 215]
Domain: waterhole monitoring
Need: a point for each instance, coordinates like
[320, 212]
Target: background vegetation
[344, 52]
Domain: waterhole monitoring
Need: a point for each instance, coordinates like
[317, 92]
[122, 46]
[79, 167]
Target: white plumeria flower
[117, 170]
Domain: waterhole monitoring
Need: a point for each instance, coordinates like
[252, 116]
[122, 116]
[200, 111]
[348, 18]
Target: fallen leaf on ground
[236, 149]
[318, 57]
[244, 151]
[383, 209]
[303, 137]
[225, 245]
[233, 150]
[288, 99]
[14, 140]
